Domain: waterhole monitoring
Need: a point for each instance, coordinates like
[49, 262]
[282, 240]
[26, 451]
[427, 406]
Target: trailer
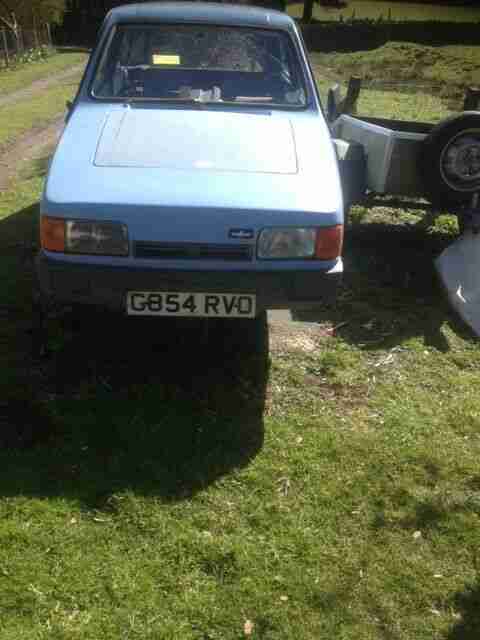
[439, 162]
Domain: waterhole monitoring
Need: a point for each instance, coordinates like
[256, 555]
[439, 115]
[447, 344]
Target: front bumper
[64, 283]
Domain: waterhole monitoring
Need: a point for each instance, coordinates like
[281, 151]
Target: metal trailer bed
[393, 150]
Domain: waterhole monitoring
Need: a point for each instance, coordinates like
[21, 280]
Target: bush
[35, 54]
[38, 54]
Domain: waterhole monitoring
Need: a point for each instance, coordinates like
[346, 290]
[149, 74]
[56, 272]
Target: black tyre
[450, 160]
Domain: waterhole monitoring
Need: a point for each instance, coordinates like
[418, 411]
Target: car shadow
[161, 408]
[390, 291]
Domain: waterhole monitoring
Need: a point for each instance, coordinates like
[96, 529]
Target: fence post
[35, 37]
[49, 35]
[349, 103]
[333, 102]
[19, 41]
[5, 48]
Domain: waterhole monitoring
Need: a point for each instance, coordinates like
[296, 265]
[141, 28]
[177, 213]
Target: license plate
[196, 305]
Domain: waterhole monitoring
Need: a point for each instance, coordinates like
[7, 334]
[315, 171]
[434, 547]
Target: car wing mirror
[69, 106]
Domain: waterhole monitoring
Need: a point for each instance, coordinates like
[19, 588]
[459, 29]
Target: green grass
[157, 485]
[19, 77]
[446, 71]
[418, 105]
[374, 9]
[17, 119]
[178, 490]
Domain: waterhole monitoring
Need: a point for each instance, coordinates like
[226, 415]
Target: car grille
[192, 251]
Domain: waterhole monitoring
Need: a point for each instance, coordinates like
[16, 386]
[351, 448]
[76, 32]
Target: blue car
[196, 174]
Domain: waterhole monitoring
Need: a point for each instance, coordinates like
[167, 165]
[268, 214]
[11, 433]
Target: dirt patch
[33, 143]
[298, 336]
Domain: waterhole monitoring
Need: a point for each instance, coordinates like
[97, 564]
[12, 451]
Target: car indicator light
[52, 233]
[329, 242]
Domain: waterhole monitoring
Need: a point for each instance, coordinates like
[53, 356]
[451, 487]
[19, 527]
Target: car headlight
[323, 243]
[286, 243]
[100, 238]
[84, 236]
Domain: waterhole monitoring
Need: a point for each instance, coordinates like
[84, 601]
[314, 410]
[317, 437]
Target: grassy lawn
[19, 77]
[419, 106]
[16, 119]
[157, 483]
[443, 71]
[374, 9]
[414, 92]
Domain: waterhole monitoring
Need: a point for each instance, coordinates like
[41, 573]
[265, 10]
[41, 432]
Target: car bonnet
[259, 142]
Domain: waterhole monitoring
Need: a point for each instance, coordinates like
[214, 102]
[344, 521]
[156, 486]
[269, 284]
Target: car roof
[200, 12]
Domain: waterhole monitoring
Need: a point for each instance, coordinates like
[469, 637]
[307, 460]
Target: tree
[28, 13]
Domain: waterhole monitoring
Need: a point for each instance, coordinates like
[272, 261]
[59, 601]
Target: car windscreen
[201, 63]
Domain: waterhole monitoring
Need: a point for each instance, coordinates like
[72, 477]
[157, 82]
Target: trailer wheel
[450, 160]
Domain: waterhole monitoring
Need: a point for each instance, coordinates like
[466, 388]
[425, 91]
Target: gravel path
[38, 86]
[31, 146]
